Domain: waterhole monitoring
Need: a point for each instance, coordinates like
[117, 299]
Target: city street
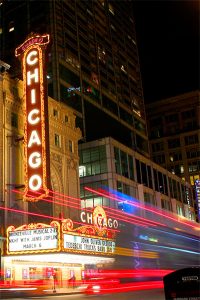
[138, 295]
[99, 150]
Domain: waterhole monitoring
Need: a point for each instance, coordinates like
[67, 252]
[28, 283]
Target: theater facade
[66, 248]
[39, 177]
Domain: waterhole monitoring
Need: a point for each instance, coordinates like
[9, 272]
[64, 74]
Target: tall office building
[174, 137]
[174, 134]
[93, 63]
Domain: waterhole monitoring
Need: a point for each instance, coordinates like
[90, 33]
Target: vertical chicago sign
[36, 136]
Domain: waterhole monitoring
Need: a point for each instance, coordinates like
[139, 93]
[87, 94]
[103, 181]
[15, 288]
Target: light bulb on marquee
[36, 128]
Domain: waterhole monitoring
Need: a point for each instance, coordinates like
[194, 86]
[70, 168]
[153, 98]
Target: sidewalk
[63, 291]
[40, 292]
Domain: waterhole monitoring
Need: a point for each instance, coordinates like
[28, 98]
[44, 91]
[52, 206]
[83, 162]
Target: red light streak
[111, 211]
[65, 196]
[139, 219]
[29, 213]
[99, 288]
[67, 205]
[125, 217]
[129, 273]
[130, 219]
[155, 211]
[35, 214]
[146, 285]
[52, 201]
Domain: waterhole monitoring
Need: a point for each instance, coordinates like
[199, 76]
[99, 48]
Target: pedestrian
[73, 281]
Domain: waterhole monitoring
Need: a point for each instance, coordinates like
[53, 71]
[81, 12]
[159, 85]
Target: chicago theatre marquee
[38, 250]
[66, 246]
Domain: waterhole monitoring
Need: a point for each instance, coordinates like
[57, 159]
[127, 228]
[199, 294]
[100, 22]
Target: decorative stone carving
[56, 157]
[71, 164]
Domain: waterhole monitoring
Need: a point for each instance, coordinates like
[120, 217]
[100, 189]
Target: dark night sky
[168, 44]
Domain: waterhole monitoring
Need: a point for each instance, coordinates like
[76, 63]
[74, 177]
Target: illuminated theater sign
[197, 189]
[33, 238]
[97, 237]
[36, 110]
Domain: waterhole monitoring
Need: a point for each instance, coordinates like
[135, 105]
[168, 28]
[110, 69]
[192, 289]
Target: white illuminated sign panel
[33, 240]
[197, 189]
[88, 244]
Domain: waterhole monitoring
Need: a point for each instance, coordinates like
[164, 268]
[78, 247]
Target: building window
[14, 120]
[161, 183]
[149, 198]
[159, 159]
[71, 146]
[82, 171]
[55, 113]
[150, 179]
[155, 175]
[117, 161]
[166, 190]
[174, 143]
[66, 119]
[140, 126]
[157, 147]
[192, 167]
[174, 188]
[193, 178]
[156, 132]
[171, 118]
[175, 156]
[193, 153]
[57, 140]
[179, 210]
[189, 125]
[131, 167]
[191, 139]
[93, 160]
[92, 200]
[138, 170]
[124, 189]
[177, 169]
[156, 127]
[144, 174]
[124, 164]
[188, 114]
[166, 205]
[181, 169]
[85, 156]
